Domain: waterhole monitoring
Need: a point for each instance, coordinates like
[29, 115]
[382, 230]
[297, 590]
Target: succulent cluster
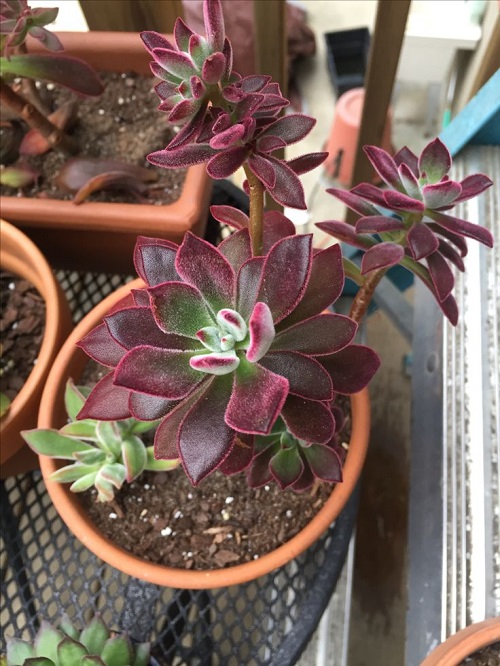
[95, 645]
[226, 121]
[408, 222]
[18, 20]
[104, 454]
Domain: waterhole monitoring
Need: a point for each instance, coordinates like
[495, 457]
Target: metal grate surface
[46, 572]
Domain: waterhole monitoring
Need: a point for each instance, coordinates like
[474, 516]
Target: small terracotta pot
[70, 363]
[97, 236]
[20, 256]
[464, 643]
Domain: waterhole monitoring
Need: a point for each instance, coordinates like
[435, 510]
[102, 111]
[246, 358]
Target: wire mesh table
[47, 572]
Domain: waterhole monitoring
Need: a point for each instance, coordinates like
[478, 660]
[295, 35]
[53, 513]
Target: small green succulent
[95, 645]
[104, 454]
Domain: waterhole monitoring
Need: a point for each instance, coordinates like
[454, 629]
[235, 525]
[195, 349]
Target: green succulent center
[230, 329]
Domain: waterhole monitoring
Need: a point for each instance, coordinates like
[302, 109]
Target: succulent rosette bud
[221, 343]
[17, 20]
[418, 227]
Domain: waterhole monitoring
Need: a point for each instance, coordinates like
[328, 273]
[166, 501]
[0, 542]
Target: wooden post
[132, 15]
[379, 81]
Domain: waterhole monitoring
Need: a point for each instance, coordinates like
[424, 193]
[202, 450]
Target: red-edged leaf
[236, 248]
[409, 181]
[463, 228]
[291, 128]
[317, 336]
[154, 260]
[215, 363]
[259, 472]
[214, 24]
[182, 34]
[308, 420]
[261, 332]
[190, 132]
[383, 164]
[230, 216]
[180, 308]
[167, 433]
[165, 373]
[249, 279]
[201, 265]
[256, 400]
[351, 369]
[182, 111]
[458, 241]
[374, 224]
[451, 254]
[306, 376]
[213, 68]
[154, 40]
[306, 163]
[176, 63]
[137, 326]
[346, 233]
[353, 201]
[441, 194]
[149, 407]
[399, 201]
[240, 457]
[441, 275]
[434, 161]
[227, 162]
[406, 156]
[263, 169]
[324, 462]
[182, 156]
[473, 185]
[382, 255]
[102, 347]
[228, 137]
[106, 401]
[371, 193]
[275, 227]
[285, 275]
[288, 190]
[421, 241]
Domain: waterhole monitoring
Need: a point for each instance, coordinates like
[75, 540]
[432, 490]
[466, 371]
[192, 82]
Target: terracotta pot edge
[464, 643]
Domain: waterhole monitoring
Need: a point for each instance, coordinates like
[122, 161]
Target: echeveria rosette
[17, 20]
[221, 343]
[419, 194]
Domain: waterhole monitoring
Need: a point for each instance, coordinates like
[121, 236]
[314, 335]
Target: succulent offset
[64, 645]
[104, 454]
[221, 343]
[410, 218]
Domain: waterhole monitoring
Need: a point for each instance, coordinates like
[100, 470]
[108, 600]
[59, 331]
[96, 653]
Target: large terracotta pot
[464, 643]
[70, 363]
[101, 236]
[20, 256]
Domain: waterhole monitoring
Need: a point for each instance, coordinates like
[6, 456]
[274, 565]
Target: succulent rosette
[221, 343]
[17, 20]
[410, 219]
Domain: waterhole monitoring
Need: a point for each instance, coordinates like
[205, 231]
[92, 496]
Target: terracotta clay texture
[70, 363]
[464, 643]
[20, 256]
[99, 236]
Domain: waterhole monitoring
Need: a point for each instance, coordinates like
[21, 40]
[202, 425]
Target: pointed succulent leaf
[148, 408]
[347, 234]
[161, 372]
[286, 467]
[261, 329]
[74, 399]
[67, 626]
[66, 70]
[308, 420]
[473, 185]
[102, 347]
[384, 165]
[285, 275]
[201, 455]
[84, 483]
[370, 192]
[216, 363]
[230, 216]
[213, 68]
[46, 641]
[317, 336]
[214, 24]
[95, 457]
[181, 157]
[434, 161]
[50, 443]
[166, 436]
[463, 228]
[256, 400]
[175, 62]
[421, 241]
[94, 635]
[324, 462]
[451, 254]
[290, 128]
[458, 241]
[353, 201]
[18, 651]
[288, 190]
[441, 275]
[249, 279]
[306, 376]
[69, 652]
[105, 489]
[398, 201]
[106, 402]
[276, 226]
[204, 267]
[382, 255]
[154, 260]
[74, 472]
[409, 182]
[154, 40]
[85, 429]
[141, 654]
[159, 465]
[441, 194]
[407, 157]
[351, 369]
[263, 169]
[259, 472]
[374, 224]
[109, 438]
[236, 248]
[306, 163]
[134, 456]
[117, 650]
[113, 473]
[225, 163]
[179, 308]
[240, 456]
[182, 33]
[228, 137]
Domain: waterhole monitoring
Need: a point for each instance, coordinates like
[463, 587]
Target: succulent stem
[364, 296]
[256, 211]
[36, 120]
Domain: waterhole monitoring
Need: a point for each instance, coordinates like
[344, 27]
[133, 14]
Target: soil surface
[122, 124]
[488, 656]
[162, 518]
[22, 325]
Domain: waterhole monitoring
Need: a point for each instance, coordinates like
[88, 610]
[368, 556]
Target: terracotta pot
[101, 236]
[464, 643]
[70, 363]
[20, 256]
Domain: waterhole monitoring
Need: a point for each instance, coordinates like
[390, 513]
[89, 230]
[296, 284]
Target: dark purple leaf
[371, 193]
[200, 264]
[153, 40]
[459, 242]
[254, 82]
[305, 375]
[441, 194]
[306, 163]
[351, 369]
[213, 68]
[270, 143]
[102, 347]
[182, 34]
[214, 24]
[434, 161]
[259, 472]
[167, 433]
[398, 201]
[353, 201]
[276, 226]
[230, 216]
[240, 457]
[237, 248]
[186, 108]
[288, 190]
[383, 164]
[257, 399]
[324, 462]
[441, 275]
[406, 156]
[181, 157]
[346, 233]
[263, 169]
[228, 137]
[136, 326]
[421, 241]
[228, 55]
[290, 128]
[473, 185]
[249, 279]
[308, 420]
[149, 407]
[374, 224]
[380, 256]
[154, 260]
[451, 254]
[223, 164]
[463, 228]
[190, 131]
[306, 479]
[317, 336]
[106, 401]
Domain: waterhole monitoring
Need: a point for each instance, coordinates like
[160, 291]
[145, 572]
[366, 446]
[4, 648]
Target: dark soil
[161, 518]
[122, 124]
[488, 656]
[22, 325]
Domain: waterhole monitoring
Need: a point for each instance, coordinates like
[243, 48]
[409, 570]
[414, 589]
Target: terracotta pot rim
[40, 275]
[464, 643]
[74, 516]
